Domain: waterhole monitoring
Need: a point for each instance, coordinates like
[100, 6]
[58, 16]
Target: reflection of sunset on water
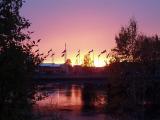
[63, 98]
[75, 96]
[71, 98]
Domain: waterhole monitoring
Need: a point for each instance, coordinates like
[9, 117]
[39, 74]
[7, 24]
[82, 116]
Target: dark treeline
[134, 75]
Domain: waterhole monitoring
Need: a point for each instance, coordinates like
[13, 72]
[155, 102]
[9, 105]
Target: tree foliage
[19, 58]
[68, 62]
[126, 40]
[135, 47]
[87, 62]
[134, 82]
[147, 49]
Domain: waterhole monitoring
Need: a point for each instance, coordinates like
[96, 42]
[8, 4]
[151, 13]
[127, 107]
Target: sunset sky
[87, 24]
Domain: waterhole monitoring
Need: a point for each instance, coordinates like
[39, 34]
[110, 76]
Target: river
[72, 101]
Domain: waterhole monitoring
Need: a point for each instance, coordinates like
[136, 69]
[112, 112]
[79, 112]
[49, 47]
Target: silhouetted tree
[87, 62]
[126, 41]
[18, 61]
[135, 47]
[112, 58]
[147, 48]
[68, 62]
[132, 89]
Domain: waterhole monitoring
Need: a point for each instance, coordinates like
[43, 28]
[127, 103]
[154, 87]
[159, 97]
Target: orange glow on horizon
[59, 99]
[101, 62]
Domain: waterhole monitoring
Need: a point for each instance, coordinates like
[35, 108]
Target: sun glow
[99, 63]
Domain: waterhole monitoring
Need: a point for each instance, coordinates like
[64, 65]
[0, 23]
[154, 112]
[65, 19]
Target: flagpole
[79, 57]
[106, 56]
[76, 61]
[93, 57]
[98, 58]
[65, 58]
[53, 59]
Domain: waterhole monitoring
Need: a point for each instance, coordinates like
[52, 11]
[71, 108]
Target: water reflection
[73, 101]
[93, 101]
[82, 97]
[92, 97]
[62, 97]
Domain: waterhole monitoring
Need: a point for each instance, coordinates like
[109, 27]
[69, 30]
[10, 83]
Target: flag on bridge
[64, 51]
[52, 54]
[62, 55]
[77, 55]
[90, 51]
[104, 51]
[49, 51]
[99, 55]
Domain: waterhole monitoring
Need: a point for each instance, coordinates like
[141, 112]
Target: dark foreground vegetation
[17, 63]
[134, 75]
[134, 95]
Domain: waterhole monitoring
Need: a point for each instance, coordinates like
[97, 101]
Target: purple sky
[87, 24]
